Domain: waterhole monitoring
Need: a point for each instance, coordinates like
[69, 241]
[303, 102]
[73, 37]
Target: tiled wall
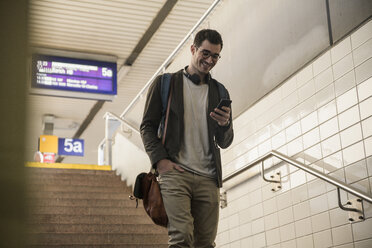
[322, 116]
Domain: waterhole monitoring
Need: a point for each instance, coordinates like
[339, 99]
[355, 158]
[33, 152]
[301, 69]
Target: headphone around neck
[195, 77]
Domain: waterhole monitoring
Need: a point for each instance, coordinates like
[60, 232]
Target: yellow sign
[48, 143]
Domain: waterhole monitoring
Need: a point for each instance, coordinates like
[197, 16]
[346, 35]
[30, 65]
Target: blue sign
[71, 147]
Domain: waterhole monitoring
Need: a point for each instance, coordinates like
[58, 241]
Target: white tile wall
[306, 242]
[303, 227]
[353, 153]
[322, 63]
[363, 244]
[341, 50]
[329, 128]
[362, 53]
[342, 235]
[362, 35]
[331, 145]
[287, 232]
[365, 89]
[307, 90]
[273, 236]
[368, 146]
[351, 135]
[347, 100]
[322, 116]
[343, 66]
[301, 210]
[349, 117]
[285, 216]
[363, 71]
[323, 79]
[323, 239]
[320, 222]
[365, 108]
[345, 83]
[311, 138]
[327, 112]
[304, 75]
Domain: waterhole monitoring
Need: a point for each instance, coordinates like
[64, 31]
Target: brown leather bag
[147, 187]
[153, 201]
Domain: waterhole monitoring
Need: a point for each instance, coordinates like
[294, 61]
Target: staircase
[86, 208]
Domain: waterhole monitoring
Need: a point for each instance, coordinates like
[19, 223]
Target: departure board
[73, 75]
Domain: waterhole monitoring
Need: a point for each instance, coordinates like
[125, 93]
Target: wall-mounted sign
[49, 157]
[48, 143]
[72, 77]
[70, 147]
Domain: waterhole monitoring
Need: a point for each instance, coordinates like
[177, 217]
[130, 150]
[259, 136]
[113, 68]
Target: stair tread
[92, 238]
[96, 228]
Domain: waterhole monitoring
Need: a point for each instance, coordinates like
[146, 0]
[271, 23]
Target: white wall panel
[334, 138]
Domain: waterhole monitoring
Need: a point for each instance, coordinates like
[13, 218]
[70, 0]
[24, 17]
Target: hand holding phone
[224, 103]
[221, 115]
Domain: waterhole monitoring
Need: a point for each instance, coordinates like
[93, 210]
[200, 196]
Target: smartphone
[224, 102]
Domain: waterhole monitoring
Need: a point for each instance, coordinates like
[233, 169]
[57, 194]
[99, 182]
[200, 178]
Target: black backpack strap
[164, 92]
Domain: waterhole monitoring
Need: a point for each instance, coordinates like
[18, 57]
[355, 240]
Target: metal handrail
[325, 177]
[123, 121]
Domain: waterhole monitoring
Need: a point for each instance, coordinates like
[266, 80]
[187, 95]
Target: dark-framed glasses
[206, 54]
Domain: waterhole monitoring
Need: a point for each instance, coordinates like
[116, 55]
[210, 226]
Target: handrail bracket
[223, 200]
[356, 209]
[275, 179]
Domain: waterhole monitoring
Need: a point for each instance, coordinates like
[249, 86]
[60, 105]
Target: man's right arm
[150, 123]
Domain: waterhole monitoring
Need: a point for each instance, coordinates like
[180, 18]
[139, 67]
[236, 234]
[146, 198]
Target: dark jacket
[218, 136]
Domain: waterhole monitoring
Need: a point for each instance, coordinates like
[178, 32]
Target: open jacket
[219, 137]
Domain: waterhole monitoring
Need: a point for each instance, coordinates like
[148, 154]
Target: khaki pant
[192, 205]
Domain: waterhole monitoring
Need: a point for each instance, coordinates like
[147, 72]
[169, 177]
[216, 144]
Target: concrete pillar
[13, 47]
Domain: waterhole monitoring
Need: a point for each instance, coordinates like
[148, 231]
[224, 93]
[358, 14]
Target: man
[189, 163]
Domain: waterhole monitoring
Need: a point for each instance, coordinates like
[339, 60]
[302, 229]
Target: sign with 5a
[71, 147]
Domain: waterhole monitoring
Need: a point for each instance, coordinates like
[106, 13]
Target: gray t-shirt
[195, 154]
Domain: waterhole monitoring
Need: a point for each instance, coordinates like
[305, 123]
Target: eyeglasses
[206, 54]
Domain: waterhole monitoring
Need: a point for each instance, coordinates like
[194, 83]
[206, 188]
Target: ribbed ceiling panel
[104, 27]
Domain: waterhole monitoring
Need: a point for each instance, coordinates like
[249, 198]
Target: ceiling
[101, 28]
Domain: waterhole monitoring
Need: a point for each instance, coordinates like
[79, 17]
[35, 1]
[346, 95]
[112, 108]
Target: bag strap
[167, 114]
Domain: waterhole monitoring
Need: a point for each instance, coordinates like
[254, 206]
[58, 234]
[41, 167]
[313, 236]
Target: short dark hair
[208, 34]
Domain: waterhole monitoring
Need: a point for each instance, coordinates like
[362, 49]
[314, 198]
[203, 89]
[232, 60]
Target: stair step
[122, 195]
[39, 171]
[73, 202]
[88, 219]
[75, 176]
[74, 181]
[101, 245]
[78, 188]
[94, 238]
[97, 228]
[87, 210]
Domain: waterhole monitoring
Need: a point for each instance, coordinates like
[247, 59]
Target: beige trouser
[192, 205]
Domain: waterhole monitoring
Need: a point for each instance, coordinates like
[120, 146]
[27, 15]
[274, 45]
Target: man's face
[205, 57]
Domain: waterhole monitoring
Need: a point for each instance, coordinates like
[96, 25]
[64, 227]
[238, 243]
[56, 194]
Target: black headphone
[195, 77]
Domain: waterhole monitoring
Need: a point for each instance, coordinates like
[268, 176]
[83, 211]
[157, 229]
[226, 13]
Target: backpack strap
[164, 92]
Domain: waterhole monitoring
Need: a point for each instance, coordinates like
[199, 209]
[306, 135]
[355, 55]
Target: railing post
[108, 142]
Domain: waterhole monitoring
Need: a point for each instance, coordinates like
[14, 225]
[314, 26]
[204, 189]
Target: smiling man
[189, 162]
